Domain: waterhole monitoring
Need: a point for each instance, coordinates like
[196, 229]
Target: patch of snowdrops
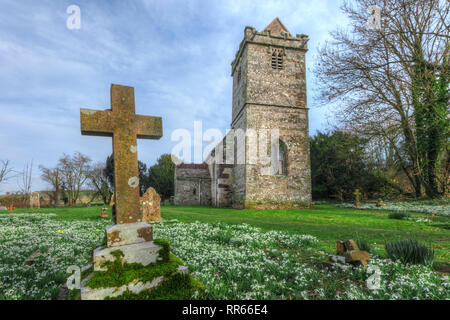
[234, 261]
[413, 206]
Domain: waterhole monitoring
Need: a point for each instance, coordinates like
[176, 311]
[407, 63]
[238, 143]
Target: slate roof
[192, 171]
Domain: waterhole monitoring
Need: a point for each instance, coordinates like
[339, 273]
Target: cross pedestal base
[130, 263]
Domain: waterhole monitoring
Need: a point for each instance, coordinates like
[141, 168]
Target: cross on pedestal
[357, 197]
[125, 127]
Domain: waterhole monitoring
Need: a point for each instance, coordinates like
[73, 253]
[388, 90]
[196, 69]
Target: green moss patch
[119, 273]
[177, 287]
[164, 253]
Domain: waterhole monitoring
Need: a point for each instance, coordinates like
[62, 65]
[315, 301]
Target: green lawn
[234, 260]
[327, 222]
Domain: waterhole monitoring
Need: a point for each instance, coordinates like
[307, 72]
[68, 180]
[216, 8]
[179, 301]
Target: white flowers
[61, 243]
[416, 206]
[234, 262]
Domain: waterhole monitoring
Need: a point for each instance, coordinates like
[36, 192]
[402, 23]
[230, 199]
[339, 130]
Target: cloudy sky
[175, 53]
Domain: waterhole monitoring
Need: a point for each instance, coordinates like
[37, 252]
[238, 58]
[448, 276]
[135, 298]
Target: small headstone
[348, 252]
[357, 257]
[3, 208]
[340, 247]
[357, 194]
[151, 203]
[111, 203]
[351, 245]
[380, 203]
[35, 200]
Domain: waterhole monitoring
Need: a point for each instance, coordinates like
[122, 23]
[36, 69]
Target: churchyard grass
[238, 254]
[330, 223]
[436, 207]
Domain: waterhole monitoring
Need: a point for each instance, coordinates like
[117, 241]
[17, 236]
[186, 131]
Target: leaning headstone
[151, 203]
[357, 257]
[353, 254]
[35, 200]
[340, 247]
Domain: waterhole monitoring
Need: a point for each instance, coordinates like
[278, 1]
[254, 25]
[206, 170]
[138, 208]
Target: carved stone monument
[151, 211]
[129, 241]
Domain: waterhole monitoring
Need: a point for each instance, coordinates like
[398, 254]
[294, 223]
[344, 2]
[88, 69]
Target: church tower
[269, 92]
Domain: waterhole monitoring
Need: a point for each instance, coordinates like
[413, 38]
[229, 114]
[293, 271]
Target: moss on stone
[164, 253]
[119, 273]
[176, 287]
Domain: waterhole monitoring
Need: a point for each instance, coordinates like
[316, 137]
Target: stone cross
[125, 127]
[357, 197]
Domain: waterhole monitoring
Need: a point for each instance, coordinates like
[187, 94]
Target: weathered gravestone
[111, 202]
[352, 253]
[357, 194]
[129, 242]
[151, 202]
[35, 200]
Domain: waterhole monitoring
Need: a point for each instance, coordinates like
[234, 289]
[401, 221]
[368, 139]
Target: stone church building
[269, 93]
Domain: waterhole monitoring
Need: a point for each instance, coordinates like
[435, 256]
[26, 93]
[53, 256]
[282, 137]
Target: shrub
[362, 245]
[410, 251]
[398, 215]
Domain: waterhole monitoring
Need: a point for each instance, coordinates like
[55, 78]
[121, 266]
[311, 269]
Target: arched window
[278, 159]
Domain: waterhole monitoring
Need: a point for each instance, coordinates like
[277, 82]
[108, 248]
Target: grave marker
[125, 127]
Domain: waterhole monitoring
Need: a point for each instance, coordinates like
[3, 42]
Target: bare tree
[6, 172]
[25, 178]
[368, 73]
[99, 182]
[52, 177]
[73, 172]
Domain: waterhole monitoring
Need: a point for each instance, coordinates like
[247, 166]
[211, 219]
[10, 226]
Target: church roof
[276, 27]
[192, 171]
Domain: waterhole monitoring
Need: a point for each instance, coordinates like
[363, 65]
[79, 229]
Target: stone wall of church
[189, 192]
[239, 170]
[264, 190]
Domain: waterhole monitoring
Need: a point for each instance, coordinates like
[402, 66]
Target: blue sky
[176, 54]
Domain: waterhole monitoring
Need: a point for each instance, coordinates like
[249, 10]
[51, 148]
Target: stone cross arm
[125, 127]
[102, 123]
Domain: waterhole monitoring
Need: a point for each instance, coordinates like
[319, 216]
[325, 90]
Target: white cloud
[175, 53]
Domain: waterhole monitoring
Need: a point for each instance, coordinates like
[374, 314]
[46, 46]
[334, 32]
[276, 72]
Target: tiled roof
[192, 171]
